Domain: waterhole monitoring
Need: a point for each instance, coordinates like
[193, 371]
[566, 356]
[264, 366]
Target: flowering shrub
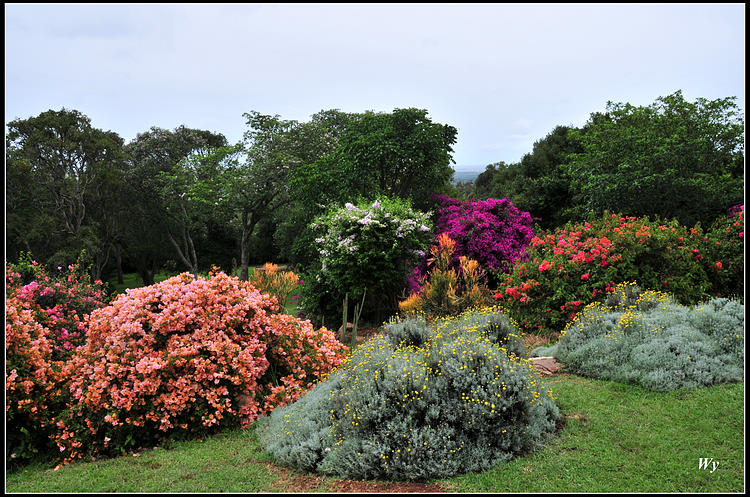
[60, 302]
[575, 265]
[444, 290]
[33, 382]
[493, 232]
[45, 320]
[369, 246]
[454, 403]
[275, 283]
[185, 357]
[648, 339]
[725, 241]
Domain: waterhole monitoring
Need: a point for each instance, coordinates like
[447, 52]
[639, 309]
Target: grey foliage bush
[648, 339]
[490, 322]
[457, 402]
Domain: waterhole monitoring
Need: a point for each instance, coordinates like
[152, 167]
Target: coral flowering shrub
[32, 383]
[186, 357]
[45, 316]
[572, 266]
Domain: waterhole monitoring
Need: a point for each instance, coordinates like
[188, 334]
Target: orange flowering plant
[184, 358]
[279, 284]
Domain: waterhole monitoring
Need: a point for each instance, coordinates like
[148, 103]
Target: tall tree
[150, 153]
[70, 161]
[673, 158]
[402, 154]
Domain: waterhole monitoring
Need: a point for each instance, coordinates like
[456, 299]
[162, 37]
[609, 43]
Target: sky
[504, 75]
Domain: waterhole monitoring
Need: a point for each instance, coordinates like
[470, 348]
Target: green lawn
[133, 280]
[618, 438]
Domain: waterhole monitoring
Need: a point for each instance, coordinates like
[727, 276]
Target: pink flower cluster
[188, 355]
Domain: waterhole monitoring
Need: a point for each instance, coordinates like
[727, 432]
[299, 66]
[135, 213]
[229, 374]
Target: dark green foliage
[652, 341]
[673, 159]
[456, 403]
[537, 184]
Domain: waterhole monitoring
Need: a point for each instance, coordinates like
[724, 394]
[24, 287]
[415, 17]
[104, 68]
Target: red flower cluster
[571, 266]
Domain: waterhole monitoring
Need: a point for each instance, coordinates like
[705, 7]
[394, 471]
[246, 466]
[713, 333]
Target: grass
[617, 438]
[132, 280]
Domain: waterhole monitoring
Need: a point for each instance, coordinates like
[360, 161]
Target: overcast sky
[503, 75]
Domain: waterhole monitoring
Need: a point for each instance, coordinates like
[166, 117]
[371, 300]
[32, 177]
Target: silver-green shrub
[457, 402]
[647, 338]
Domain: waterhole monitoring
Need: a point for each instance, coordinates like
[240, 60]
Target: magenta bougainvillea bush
[493, 232]
[184, 358]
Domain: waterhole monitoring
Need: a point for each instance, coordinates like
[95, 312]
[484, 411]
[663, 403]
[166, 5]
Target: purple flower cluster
[735, 209]
[493, 232]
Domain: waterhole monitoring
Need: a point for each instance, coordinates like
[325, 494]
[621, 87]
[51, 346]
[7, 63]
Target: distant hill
[466, 175]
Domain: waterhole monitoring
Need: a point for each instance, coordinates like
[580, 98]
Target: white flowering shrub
[646, 338]
[454, 403]
[369, 246]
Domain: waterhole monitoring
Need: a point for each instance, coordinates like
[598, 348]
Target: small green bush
[648, 339]
[455, 403]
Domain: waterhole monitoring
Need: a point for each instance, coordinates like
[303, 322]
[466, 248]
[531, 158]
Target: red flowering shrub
[186, 357]
[573, 266]
[725, 242]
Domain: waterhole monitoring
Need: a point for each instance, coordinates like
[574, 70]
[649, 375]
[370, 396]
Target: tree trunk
[146, 275]
[118, 263]
[247, 231]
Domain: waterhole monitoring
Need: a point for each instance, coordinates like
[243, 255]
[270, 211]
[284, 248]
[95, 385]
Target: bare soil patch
[291, 482]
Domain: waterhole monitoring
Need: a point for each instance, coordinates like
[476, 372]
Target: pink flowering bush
[59, 301]
[573, 266]
[45, 318]
[493, 232]
[184, 358]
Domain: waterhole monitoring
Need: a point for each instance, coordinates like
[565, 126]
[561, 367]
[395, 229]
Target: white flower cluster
[343, 233]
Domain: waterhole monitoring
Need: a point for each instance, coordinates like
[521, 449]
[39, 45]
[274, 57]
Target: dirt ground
[297, 483]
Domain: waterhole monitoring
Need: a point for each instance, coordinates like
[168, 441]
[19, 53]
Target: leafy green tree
[150, 153]
[193, 196]
[673, 158]
[402, 154]
[70, 163]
